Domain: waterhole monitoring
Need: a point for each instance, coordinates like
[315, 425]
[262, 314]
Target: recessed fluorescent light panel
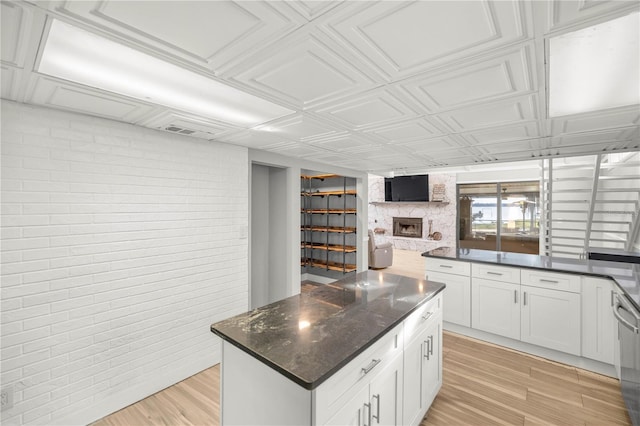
[82, 57]
[595, 68]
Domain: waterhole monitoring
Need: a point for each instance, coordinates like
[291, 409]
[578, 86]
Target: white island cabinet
[336, 356]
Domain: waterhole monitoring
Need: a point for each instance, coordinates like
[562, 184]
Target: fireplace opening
[407, 227]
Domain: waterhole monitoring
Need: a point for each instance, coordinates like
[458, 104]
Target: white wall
[120, 246]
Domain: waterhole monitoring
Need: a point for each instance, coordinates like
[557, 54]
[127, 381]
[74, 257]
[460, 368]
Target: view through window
[502, 216]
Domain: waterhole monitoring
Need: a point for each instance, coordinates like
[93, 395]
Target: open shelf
[320, 177]
[325, 193]
[329, 211]
[335, 229]
[332, 266]
[330, 247]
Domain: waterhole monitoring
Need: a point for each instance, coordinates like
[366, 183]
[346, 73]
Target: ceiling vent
[180, 130]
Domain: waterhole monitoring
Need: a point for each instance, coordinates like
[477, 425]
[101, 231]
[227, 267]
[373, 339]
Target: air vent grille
[176, 129]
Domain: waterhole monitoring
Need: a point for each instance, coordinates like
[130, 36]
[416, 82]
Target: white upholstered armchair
[380, 256]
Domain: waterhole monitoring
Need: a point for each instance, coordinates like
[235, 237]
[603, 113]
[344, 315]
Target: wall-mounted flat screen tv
[407, 188]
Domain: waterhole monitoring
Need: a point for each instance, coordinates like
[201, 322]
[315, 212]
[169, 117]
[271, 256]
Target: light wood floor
[483, 384]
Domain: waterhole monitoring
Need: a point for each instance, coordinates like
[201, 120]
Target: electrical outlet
[6, 397]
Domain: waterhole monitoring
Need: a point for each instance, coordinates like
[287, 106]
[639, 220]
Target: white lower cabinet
[456, 297]
[540, 316]
[377, 403]
[551, 318]
[495, 307]
[598, 323]
[423, 372]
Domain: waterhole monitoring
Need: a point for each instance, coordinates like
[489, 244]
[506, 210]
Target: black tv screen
[407, 188]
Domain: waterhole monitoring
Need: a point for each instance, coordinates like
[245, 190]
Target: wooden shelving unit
[336, 229]
[329, 211]
[330, 247]
[328, 241]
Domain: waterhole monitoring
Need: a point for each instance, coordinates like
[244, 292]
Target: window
[502, 216]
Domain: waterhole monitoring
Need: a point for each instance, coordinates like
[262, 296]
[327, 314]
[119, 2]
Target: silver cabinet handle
[371, 365]
[494, 273]
[377, 416]
[426, 350]
[427, 316]
[368, 405]
[542, 280]
[446, 266]
[359, 416]
[515, 296]
[524, 298]
[431, 344]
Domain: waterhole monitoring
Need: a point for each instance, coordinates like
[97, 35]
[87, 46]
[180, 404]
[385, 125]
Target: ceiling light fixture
[595, 68]
[82, 57]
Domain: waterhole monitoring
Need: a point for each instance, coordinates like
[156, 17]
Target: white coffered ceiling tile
[566, 13]
[9, 82]
[618, 117]
[348, 143]
[431, 146]
[177, 122]
[402, 38]
[55, 93]
[506, 75]
[312, 9]
[211, 34]
[418, 128]
[508, 111]
[297, 149]
[17, 22]
[596, 141]
[376, 108]
[301, 127]
[304, 71]
[256, 139]
[522, 131]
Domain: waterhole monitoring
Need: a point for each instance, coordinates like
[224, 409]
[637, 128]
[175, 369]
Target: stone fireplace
[407, 227]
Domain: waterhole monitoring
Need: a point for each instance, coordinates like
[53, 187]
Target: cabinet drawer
[418, 320]
[503, 274]
[434, 264]
[332, 394]
[554, 280]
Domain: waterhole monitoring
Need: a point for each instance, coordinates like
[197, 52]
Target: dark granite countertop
[626, 275]
[310, 336]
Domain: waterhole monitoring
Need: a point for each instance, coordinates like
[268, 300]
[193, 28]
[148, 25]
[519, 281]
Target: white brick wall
[120, 246]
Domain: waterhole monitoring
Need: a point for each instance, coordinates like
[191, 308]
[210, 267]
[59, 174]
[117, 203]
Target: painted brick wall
[120, 246]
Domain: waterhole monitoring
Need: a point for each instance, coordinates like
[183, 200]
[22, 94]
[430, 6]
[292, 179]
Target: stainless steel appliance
[629, 340]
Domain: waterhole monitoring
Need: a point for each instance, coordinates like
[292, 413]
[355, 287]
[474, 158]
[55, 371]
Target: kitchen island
[335, 355]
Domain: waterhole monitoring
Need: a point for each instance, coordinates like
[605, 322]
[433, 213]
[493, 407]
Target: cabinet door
[551, 318]
[412, 402]
[432, 363]
[457, 297]
[495, 307]
[385, 396]
[353, 412]
[598, 324]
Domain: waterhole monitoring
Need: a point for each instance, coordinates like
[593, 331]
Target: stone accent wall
[443, 215]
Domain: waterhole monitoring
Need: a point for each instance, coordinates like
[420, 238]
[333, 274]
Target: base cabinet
[551, 318]
[495, 307]
[423, 372]
[377, 403]
[598, 324]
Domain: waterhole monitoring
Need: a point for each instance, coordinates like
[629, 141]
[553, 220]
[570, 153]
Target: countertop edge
[314, 384]
[566, 271]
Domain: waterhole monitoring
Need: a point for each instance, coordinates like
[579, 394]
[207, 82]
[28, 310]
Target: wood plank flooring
[483, 384]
